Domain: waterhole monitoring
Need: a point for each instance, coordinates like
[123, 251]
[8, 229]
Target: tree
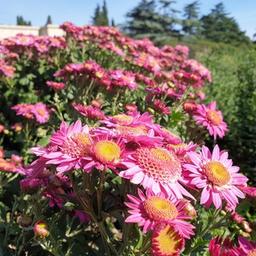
[191, 23]
[152, 19]
[100, 17]
[49, 20]
[21, 22]
[219, 27]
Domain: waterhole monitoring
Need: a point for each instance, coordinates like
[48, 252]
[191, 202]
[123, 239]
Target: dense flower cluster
[124, 147]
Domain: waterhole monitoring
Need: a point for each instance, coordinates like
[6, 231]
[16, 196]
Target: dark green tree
[100, 17]
[20, 21]
[219, 27]
[152, 19]
[113, 24]
[191, 23]
[49, 20]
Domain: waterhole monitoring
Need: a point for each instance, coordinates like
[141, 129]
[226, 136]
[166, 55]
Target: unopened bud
[41, 229]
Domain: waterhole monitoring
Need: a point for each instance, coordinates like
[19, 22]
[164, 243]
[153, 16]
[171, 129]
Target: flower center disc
[159, 164]
[167, 242]
[123, 119]
[107, 151]
[159, 208]
[132, 130]
[41, 112]
[252, 252]
[214, 117]
[217, 173]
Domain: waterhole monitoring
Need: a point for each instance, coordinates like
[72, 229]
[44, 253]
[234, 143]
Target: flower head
[223, 247]
[211, 118]
[247, 247]
[151, 210]
[155, 168]
[41, 113]
[216, 176]
[167, 242]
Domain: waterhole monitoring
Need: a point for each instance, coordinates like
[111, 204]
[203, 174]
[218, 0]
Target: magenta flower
[223, 247]
[216, 176]
[211, 118]
[247, 248]
[151, 210]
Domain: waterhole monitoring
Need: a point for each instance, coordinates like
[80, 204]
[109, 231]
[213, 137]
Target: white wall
[12, 30]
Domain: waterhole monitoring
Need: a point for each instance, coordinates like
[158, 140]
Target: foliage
[137, 159]
[219, 27]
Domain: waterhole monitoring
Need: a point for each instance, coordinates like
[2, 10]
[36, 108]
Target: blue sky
[80, 11]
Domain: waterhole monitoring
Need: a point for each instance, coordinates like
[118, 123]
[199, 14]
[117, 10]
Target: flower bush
[119, 166]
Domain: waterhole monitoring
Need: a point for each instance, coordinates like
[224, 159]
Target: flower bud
[190, 209]
[246, 227]
[24, 220]
[41, 229]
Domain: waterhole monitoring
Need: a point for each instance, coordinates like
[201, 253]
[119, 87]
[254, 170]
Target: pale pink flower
[41, 113]
[157, 169]
[216, 176]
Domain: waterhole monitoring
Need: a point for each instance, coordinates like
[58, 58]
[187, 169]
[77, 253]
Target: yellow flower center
[214, 117]
[159, 208]
[41, 112]
[123, 119]
[168, 242]
[107, 151]
[217, 173]
[252, 252]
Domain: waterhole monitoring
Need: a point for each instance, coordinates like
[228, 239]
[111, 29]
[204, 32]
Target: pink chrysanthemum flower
[24, 110]
[69, 147]
[211, 118]
[55, 85]
[90, 111]
[215, 175]
[156, 169]
[106, 152]
[223, 247]
[41, 113]
[150, 210]
[247, 248]
[166, 242]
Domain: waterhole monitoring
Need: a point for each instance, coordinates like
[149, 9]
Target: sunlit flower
[216, 176]
[211, 118]
[41, 112]
[150, 210]
[69, 147]
[156, 169]
[167, 242]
